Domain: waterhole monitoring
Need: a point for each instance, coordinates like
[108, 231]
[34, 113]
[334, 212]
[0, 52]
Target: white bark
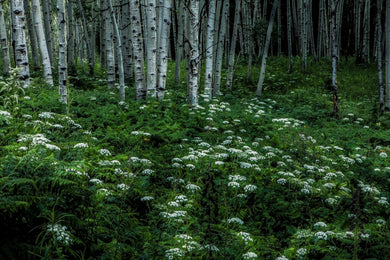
[193, 41]
[119, 50]
[266, 47]
[4, 42]
[151, 48]
[32, 36]
[163, 49]
[220, 48]
[334, 58]
[37, 17]
[20, 44]
[110, 56]
[210, 49]
[62, 47]
[232, 52]
[387, 99]
[138, 50]
[47, 20]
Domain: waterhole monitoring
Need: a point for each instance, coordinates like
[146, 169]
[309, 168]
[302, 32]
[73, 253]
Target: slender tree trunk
[334, 58]
[220, 48]
[32, 36]
[366, 31]
[151, 48]
[47, 20]
[36, 8]
[4, 42]
[379, 55]
[210, 49]
[20, 43]
[87, 39]
[71, 38]
[110, 58]
[233, 41]
[138, 50]
[304, 34]
[289, 40]
[62, 63]
[266, 47]
[387, 99]
[162, 66]
[119, 50]
[180, 39]
[193, 55]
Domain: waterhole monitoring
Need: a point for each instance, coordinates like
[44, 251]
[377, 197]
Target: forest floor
[236, 178]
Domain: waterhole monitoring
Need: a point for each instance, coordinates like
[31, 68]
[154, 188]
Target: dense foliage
[236, 178]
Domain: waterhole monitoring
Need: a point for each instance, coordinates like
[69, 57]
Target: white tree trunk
[20, 43]
[62, 47]
[110, 56]
[163, 49]
[232, 52]
[151, 48]
[266, 47]
[387, 99]
[179, 40]
[120, 56]
[47, 20]
[220, 48]
[334, 58]
[32, 36]
[210, 49]
[138, 50]
[37, 17]
[4, 42]
[193, 41]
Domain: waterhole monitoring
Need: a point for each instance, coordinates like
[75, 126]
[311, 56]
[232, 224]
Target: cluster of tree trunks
[135, 39]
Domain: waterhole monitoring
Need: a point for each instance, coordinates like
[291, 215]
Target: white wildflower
[192, 187]
[181, 198]
[281, 258]
[320, 224]
[383, 155]
[60, 232]
[235, 220]
[250, 188]
[381, 222]
[147, 198]
[81, 145]
[321, 235]
[301, 252]
[123, 186]
[237, 178]
[104, 152]
[281, 181]
[147, 172]
[234, 184]
[249, 255]
[173, 204]
[174, 252]
[246, 237]
[96, 181]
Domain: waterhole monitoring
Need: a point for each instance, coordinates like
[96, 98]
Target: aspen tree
[138, 49]
[210, 49]
[4, 42]
[266, 47]
[220, 47]
[379, 55]
[233, 41]
[48, 30]
[162, 65]
[119, 50]
[151, 48]
[193, 52]
[62, 63]
[86, 39]
[32, 36]
[110, 56]
[289, 40]
[366, 31]
[179, 11]
[334, 58]
[19, 38]
[387, 99]
[70, 39]
[36, 10]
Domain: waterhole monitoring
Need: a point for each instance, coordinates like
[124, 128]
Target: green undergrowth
[235, 178]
